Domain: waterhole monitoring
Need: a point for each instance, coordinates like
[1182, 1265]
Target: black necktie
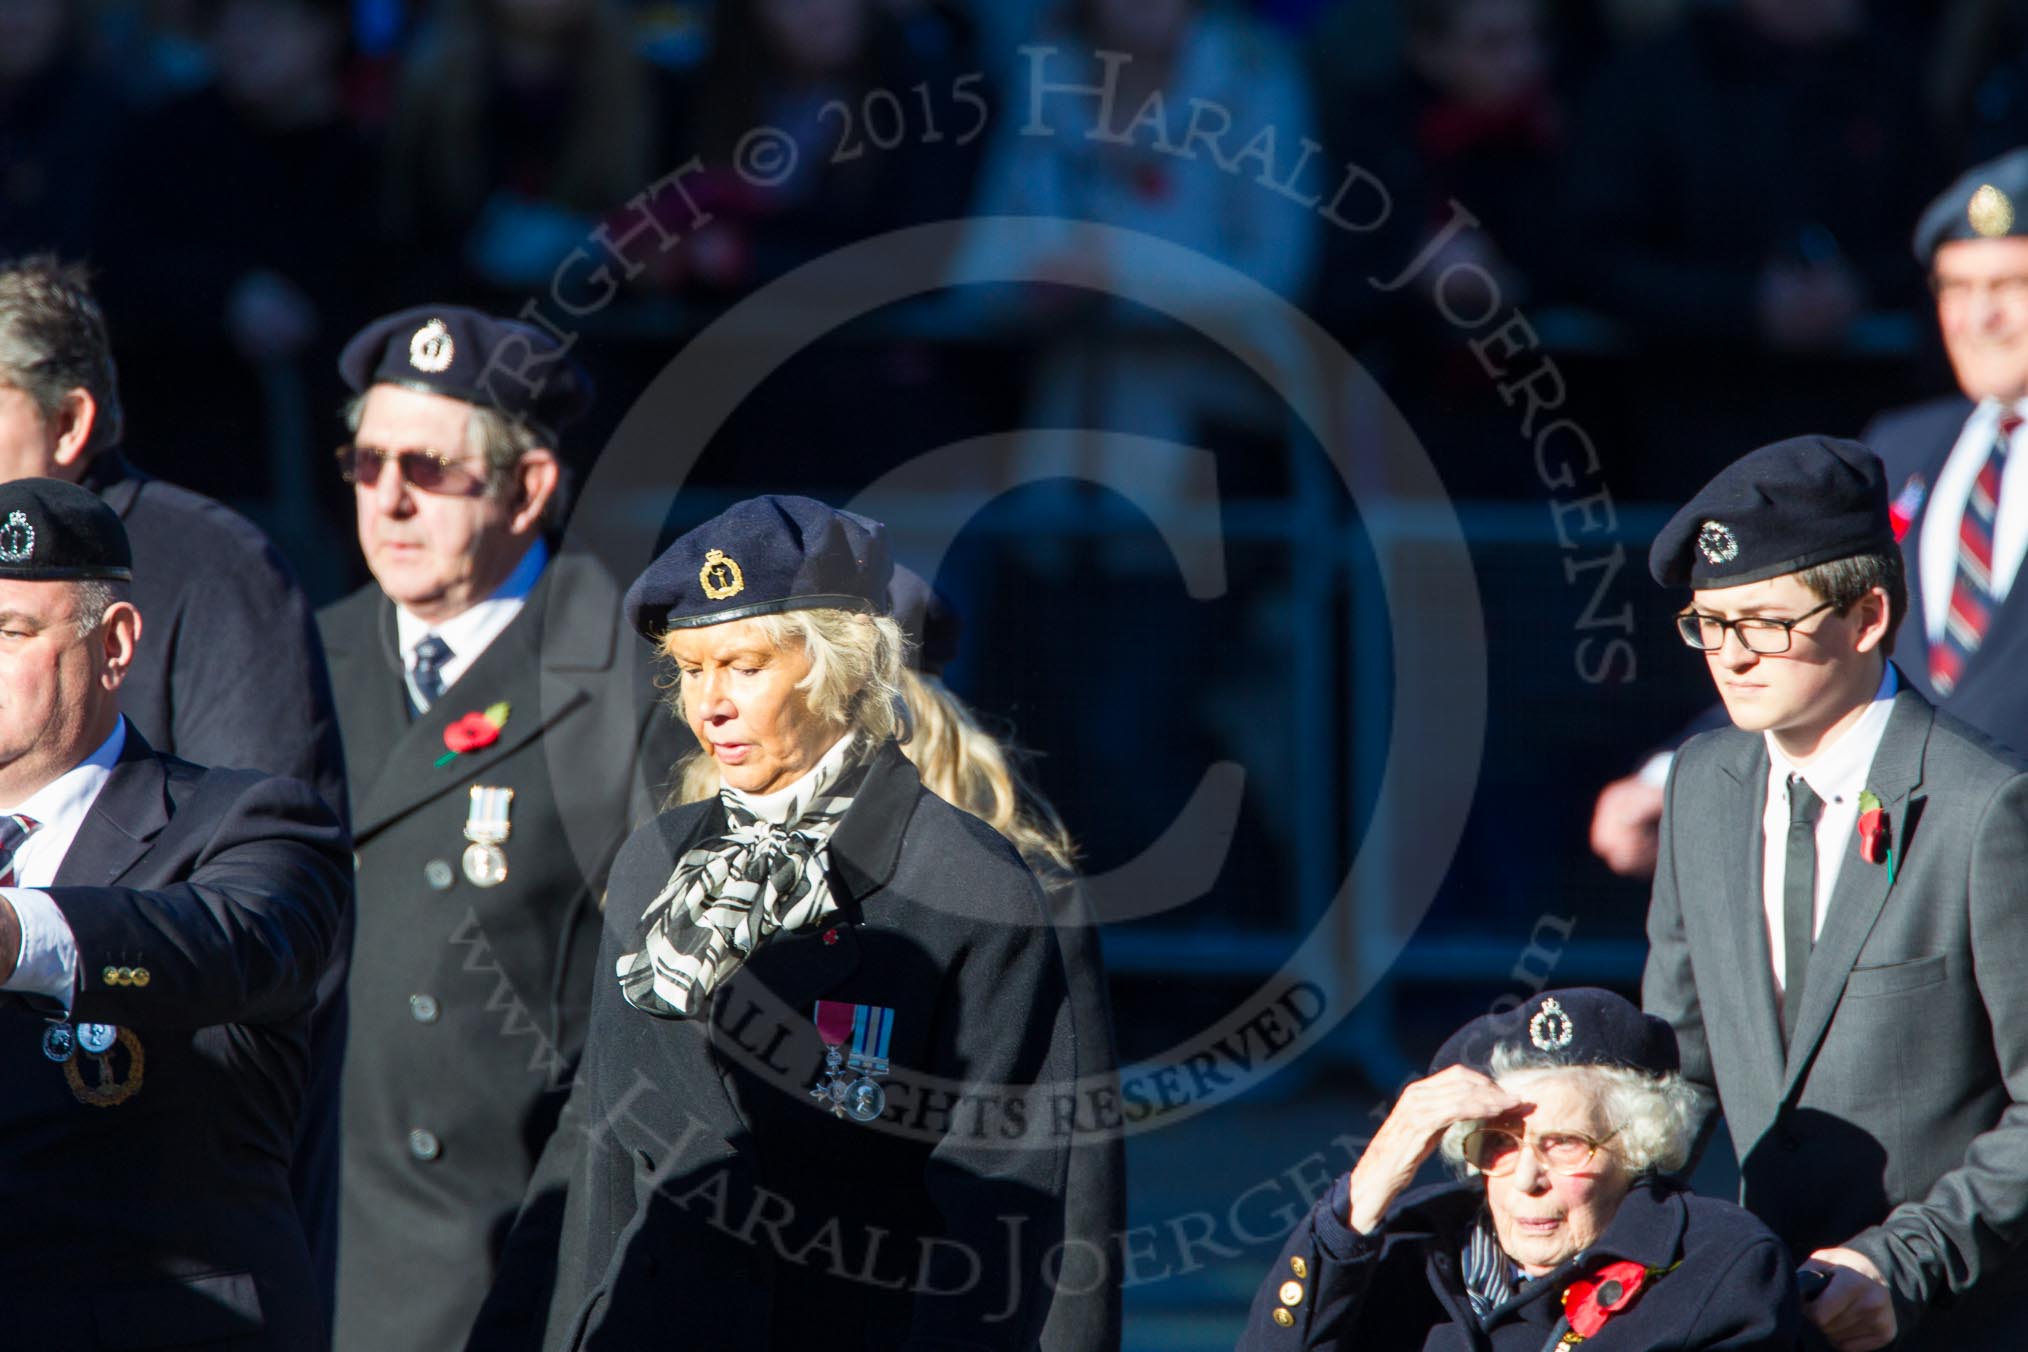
[430, 656]
[1799, 899]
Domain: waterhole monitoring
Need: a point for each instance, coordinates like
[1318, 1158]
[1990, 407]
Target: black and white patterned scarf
[1488, 1271]
[727, 896]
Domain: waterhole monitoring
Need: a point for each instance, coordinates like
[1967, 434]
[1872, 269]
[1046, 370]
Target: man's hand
[1856, 1311]
[1624, 826]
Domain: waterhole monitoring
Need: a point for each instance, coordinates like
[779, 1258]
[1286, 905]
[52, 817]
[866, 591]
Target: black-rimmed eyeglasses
[1759, 633]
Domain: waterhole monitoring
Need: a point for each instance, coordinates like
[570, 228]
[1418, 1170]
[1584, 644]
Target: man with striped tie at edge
[1957, 468]
[162, 931]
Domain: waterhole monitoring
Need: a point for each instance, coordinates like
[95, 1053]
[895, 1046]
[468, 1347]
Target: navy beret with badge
[52, 531]
[764, 556]
[1780, 509]
[1579, 1026]
[1984, 203]
[462, 353]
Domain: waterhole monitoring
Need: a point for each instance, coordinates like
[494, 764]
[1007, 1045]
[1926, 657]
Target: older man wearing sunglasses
[502, 739]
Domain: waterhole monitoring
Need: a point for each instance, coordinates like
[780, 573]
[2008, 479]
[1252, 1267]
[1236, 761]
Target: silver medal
[865, 1100]
[97, 1038]
[485, 864]
[57, 1041]
[487, 826]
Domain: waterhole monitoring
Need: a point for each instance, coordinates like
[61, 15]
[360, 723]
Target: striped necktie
[1973, 595]
[13, 830]
[430, 656]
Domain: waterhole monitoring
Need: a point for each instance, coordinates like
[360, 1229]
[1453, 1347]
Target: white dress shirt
[470, 631]
[1938, 549]
[48, 961]
[1836, 774]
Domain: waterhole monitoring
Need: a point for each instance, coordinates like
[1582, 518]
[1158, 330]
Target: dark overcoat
[1719, 1279]
[469, 1002]
[1913, 443]
[147, 1196]
[230, 672]
[713, 1203]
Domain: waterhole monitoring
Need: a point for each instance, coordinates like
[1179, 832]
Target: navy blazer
[1721, 1280]
[230, 673]
[1914, 443]
[147, 1192]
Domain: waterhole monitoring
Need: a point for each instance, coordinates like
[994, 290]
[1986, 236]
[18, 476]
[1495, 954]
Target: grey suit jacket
[1897, 1123]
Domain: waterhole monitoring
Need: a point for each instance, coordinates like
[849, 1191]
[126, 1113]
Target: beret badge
[430, 349]
[1716, 542]
[720, 576]
[17, 539]
[1551, 1028]
[1989, 212]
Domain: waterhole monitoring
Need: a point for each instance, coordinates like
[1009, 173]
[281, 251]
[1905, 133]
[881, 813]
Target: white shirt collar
[58, 808]
[471, 631]
[1839, 770]
[786, 804]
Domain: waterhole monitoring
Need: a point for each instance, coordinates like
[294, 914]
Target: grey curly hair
[1654, 1117]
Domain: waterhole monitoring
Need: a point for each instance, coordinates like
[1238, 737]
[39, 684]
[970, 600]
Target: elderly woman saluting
[813, 1110]
[1564, 1114]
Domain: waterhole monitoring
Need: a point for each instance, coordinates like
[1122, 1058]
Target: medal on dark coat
[487, 827]
[848, 1086]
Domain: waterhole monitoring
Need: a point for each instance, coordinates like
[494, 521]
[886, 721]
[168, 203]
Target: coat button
[1284, 1318]
[1292, 1293]
[437, 873]
[141, 977]
[1299, 1267]
[112, 976]
[424, 1145]
[423, 1008]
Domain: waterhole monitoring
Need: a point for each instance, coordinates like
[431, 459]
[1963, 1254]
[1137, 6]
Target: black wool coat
[698, 1196]
[1724, 1280]
[469, 1002]
[147, 1193]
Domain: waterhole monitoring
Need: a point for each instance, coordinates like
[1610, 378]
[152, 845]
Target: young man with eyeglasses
[503, 739]
[1837, 926]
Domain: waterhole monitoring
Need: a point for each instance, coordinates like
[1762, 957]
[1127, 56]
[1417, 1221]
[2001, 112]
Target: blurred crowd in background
[1702, 208]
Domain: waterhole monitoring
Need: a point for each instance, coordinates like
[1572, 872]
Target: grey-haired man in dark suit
[503, 738]
[1837, 930]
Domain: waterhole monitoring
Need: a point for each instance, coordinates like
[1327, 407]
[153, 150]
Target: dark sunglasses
[427, 471]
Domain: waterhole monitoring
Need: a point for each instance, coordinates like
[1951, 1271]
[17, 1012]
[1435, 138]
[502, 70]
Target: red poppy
[1873, 839]
[1590, 1301]
[470, 733]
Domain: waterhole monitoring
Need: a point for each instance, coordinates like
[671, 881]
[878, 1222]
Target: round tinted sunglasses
[1496, 1151]
[428, 471]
